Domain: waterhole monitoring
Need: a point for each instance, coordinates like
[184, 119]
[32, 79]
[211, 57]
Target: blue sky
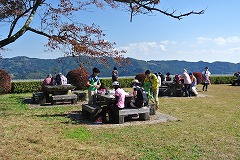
[213, 36]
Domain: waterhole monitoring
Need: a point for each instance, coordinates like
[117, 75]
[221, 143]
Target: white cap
[115, 83]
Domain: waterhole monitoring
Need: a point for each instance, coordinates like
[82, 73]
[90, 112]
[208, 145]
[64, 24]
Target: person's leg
[189, 90]
[155, 96]
[206, 86]
[90, 97]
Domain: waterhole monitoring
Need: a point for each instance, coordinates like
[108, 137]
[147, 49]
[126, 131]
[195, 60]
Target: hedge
[35, 86]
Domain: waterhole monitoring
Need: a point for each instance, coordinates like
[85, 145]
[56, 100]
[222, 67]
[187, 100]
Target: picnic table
[170, 88]
[53, 94]
[103, 100]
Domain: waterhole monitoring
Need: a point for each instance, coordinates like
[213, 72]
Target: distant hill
[34, 68]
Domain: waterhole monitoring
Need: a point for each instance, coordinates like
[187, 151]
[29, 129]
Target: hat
[190, 73]
[168, 73]
[184, 70]
[135, 81]
[115, 83]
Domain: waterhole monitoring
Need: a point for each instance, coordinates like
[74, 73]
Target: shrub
[5, 79]
[26, 87]
[124, 82]
[78, 77]
[140, 77]
[198, 76]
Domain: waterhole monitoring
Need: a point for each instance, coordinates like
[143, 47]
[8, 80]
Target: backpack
[142, 96]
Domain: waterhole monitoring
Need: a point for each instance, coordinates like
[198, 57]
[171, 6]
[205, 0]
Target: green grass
[208, 129]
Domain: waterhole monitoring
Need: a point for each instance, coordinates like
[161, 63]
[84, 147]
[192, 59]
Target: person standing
[114, 74]
[93, 84]
[206, 79]
[187, 83]
[152, 78]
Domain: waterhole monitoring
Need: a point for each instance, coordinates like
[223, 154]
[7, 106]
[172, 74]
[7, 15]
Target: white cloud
[200, 49]
[219, 40]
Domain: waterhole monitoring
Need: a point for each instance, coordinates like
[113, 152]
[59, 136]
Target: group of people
[139, 92]
[59, 79]
[142, 92]
[190, 81]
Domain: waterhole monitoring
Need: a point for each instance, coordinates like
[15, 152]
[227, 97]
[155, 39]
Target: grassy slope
[208, 129]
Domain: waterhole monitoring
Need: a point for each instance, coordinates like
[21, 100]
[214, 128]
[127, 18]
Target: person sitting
[168, 78]
[177, 79]
[58, 80]
[63, 79]
[46, 81]
[140, 98]
[119, 103]
[193, 84]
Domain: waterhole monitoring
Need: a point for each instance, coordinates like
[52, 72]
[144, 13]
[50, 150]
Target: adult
[63, 79]
[114, 74]
[159, 79]
[152, 78]
[46, 81]
[93, 84]
[193, 84]
[187, 83]
[58, 79]
[119, 103]
[177, 79]
[168, 78]
[206, 79]
[140, 98]
[162, 77]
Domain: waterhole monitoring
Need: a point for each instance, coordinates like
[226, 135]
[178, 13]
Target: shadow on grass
[75, 117]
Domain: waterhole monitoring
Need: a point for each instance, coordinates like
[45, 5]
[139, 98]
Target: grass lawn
[209, 128]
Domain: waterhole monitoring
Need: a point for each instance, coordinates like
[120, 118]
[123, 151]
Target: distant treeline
[34, 68]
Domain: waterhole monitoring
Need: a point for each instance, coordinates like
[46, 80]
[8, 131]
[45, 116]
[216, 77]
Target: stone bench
[144, 113]
[81, 95]
[37, 97]
[67, 97]
[91, 110]
[164, 91]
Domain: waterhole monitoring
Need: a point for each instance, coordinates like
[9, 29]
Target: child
[93, 84]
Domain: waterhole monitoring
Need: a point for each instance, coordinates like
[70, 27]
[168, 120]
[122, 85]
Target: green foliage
[26, 87]
[124, 82]
[35, 86]
[222, 79]
[5, 82]
[80, 133]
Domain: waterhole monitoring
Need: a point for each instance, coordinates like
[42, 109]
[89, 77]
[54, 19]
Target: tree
[57, 24]
[5, 79]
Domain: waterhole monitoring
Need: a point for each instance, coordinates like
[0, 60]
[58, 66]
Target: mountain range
[22, 67]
